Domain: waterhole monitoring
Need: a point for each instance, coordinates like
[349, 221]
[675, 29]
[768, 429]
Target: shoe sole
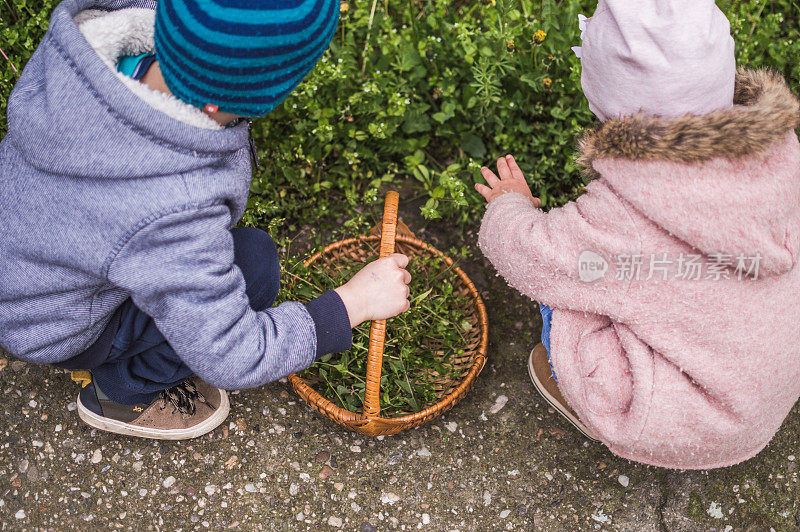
[575, 422]
[127, 429]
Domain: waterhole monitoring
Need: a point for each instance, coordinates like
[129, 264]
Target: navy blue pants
[141, 363]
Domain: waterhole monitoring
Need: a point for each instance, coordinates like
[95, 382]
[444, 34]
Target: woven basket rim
[332, 409]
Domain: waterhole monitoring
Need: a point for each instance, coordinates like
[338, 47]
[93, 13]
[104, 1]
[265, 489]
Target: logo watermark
[592, 266]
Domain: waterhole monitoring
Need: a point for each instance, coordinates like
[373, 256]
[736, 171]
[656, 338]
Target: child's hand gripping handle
[377, 333]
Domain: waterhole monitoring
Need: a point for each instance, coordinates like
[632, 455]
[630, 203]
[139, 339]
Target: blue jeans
[547, 318]
[141, 363]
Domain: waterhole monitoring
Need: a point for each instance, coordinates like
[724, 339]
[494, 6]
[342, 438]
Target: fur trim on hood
[764, 111]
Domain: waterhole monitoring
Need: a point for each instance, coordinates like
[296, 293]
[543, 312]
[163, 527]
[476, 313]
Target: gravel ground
[501, 460]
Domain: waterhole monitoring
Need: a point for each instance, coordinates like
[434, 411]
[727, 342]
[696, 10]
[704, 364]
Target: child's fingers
[406, 277]
[514, 167]
[483, 190]
[400, 260]
[503, 169]
[489, 176]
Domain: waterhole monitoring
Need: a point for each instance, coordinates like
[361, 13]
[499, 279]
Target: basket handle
[377, 332]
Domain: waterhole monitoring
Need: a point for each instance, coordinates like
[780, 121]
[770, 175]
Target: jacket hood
[70, 100]
[726, 183]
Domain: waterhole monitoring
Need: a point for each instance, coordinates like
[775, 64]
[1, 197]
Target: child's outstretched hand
[510, 180]
[378, 291]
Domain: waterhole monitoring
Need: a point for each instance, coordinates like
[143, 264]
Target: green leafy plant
[424, 347]
[422, 93]
[427, 92]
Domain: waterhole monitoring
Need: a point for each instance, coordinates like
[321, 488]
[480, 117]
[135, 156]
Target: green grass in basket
[421, 344]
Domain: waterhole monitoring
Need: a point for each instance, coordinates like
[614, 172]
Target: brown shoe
[189, 410]
[542, 377]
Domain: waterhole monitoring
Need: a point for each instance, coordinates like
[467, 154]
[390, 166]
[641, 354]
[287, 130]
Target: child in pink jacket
[674, 334]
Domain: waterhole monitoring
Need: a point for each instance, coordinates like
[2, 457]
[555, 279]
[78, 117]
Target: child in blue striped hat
[129, 113]
[234, 58]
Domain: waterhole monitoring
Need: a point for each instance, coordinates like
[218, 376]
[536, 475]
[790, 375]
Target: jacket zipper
[252, 142]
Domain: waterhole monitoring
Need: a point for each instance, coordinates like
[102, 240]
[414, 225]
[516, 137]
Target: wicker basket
[369, 421]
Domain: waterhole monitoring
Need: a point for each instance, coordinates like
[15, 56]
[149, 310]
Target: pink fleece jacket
[683, 371]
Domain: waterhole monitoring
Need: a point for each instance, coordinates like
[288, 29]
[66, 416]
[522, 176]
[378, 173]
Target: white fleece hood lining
[131, 32]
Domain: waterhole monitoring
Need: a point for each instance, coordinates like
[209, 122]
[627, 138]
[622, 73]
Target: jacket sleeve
[557, 257]
[178, 268]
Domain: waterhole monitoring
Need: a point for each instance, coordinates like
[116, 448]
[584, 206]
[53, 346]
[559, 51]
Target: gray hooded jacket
[103, 198]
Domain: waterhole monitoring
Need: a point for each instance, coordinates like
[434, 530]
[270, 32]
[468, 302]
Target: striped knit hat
[240, 56]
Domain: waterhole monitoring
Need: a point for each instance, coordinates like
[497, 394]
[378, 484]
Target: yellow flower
[547, 82]
[344, 8]
[510, 44]
[539, 37]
